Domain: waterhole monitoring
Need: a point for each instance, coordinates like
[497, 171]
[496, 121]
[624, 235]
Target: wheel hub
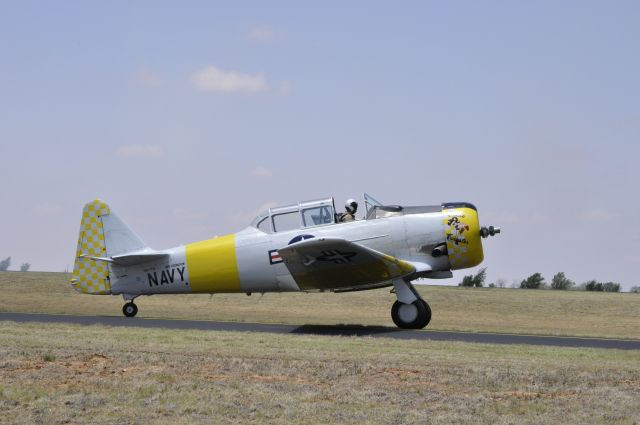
[408, 313]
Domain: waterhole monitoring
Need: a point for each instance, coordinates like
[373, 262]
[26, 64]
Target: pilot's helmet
[351, 205]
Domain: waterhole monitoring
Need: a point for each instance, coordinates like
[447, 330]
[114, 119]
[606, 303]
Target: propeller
[485, 232]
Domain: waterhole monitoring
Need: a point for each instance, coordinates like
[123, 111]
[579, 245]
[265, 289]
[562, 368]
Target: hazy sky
[189, 117]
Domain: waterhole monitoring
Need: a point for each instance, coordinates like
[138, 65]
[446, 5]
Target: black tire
[428, 310]
[411, 316]
[130, 309]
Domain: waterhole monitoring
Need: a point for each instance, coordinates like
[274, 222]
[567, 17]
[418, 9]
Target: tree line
[6, 263]
[536, 281]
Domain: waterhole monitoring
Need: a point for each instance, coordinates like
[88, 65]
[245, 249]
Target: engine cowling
[462, 234]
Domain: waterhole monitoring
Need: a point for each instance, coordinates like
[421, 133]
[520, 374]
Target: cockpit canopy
[322, 212]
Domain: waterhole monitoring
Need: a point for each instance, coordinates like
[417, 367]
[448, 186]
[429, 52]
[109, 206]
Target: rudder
[91, 276]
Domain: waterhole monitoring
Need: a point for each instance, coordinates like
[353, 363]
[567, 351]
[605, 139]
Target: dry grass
[613, 315]
[58, 374]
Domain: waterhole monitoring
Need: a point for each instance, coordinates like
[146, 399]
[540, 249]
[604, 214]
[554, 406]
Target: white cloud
[261, 171]
[263, 34]
[214, 79]
[139, 151]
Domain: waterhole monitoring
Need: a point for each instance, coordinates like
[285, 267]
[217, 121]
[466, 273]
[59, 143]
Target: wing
[334, 263]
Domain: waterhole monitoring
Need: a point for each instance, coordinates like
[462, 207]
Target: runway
[330, 330]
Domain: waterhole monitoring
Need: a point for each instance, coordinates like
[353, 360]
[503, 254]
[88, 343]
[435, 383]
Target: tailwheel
[130, 309]
[416, 315]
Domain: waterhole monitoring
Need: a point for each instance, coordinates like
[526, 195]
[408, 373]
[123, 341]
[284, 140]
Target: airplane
[297, 247]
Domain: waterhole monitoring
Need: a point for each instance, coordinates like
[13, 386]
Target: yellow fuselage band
[212, 265]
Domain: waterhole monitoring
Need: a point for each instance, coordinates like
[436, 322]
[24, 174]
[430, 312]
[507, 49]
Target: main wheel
[428, 310]
[411, 316]
[130, 309]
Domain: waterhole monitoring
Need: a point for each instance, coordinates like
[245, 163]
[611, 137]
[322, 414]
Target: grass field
[68, 374]
[612, 315]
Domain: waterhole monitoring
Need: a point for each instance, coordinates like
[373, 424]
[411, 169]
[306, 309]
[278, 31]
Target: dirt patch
[403, 372]
[532, 395]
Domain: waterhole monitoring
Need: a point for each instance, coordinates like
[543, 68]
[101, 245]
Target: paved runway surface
[336, 330]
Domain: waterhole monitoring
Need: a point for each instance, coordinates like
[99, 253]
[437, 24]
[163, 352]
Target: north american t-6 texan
[306, 246]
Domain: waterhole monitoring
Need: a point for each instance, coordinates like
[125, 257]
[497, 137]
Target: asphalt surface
[332, 330]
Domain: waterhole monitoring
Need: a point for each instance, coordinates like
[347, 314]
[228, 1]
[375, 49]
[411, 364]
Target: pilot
[350, 215]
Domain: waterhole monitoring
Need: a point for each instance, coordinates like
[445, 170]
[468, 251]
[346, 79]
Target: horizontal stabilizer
[337, 264]
[130, 259]
[137, 258]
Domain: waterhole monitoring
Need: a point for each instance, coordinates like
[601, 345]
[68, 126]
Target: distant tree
[595, 286]
[535, 281]
[501, 283]
[25, 267]
[467, 281]
[4, 264]
[480, 277]
[635, 289]
[476, 281]
[492, 285]
[560, 281]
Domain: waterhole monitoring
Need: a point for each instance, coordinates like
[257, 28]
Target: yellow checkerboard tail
[91, 276]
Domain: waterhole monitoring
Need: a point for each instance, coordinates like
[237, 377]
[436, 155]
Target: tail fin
[102, 235]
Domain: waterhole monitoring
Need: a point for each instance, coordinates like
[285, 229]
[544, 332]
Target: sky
[190, 117]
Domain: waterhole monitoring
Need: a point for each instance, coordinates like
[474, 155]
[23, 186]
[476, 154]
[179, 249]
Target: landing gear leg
[129, 309]
[410, 311]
